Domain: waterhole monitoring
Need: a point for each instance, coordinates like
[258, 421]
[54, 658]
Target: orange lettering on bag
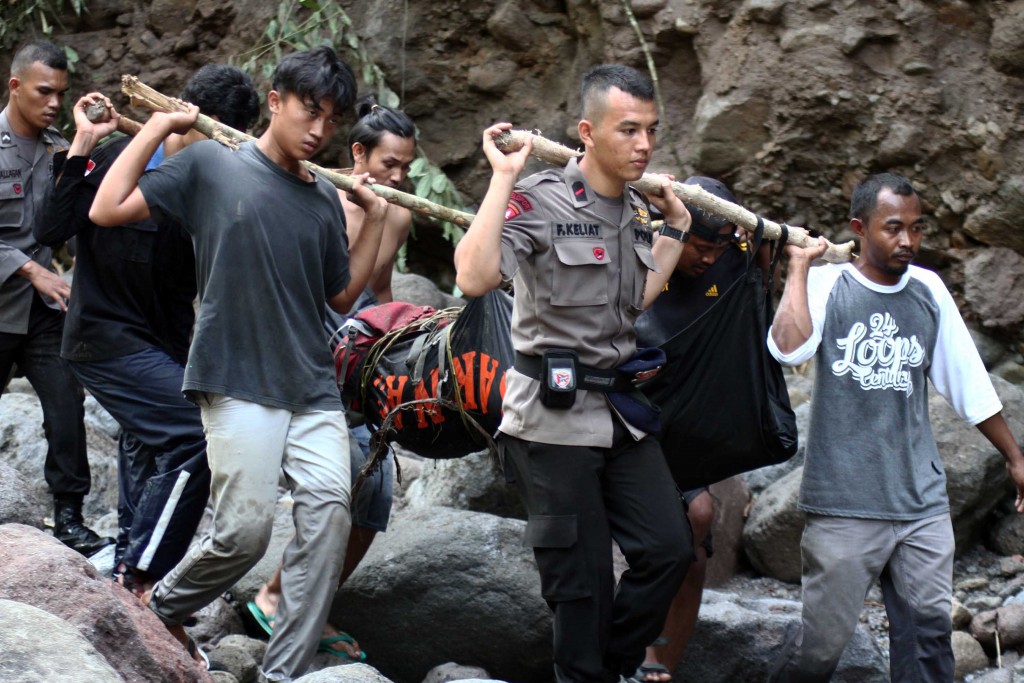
[464, 377]
[395, 385]
[488, 371]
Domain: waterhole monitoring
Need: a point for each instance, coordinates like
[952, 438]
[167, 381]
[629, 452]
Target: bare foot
[328, 641]
[267, 600]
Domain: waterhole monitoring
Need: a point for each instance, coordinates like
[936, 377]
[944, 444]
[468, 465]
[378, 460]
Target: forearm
[792, 325]
[998, 433]
[666, 252]
[478, 254]
[108, 209]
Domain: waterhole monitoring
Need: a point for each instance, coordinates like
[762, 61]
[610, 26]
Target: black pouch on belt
[558, 378]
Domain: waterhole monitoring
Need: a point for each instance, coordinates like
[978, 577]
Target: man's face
[700, 254]
[623, 136]
[891, 238]
[301, 127]
[37, 94]
[388, 163]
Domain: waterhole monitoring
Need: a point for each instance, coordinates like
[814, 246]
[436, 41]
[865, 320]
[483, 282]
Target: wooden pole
[559, 155]
[143, 95]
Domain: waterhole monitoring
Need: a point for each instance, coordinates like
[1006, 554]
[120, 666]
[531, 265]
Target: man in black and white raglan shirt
[873, 485]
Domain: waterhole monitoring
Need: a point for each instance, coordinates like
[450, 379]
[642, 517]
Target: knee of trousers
[243, 538]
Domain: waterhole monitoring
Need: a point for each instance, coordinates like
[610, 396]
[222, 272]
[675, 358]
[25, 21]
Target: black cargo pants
[579, 499]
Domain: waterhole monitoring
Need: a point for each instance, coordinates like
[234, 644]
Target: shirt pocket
[12, 204]
[136, 241]
[580, 273]
[645, 264]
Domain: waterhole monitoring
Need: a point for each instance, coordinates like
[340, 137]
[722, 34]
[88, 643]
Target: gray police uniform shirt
[23, 183]
[270, 249]
[870, 449]
[579, 263]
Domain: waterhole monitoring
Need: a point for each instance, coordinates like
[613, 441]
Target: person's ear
[274, 101]
[586, 130]
[858, 227]
[358, 152]
[13, 84]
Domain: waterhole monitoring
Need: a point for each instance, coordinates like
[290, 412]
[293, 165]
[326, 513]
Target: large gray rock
[738, 639]
[473, 482]
[39, 571]
[16, 504]
[446, 585]
[968, 654]
[23, 447]
[1006, 49]
[731, 499]
[418, 290]
[451, 671]
[348, 673]
[771, 535]
[62, 655]
[995, 270]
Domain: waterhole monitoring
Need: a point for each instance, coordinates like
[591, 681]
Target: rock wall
[791, 102]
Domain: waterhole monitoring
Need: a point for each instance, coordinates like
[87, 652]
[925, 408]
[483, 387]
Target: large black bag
[434, 385]
[724, 404]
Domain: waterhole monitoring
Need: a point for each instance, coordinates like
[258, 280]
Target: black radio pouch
[558, 378]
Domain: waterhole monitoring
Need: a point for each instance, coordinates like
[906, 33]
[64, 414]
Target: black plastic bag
[724, 404]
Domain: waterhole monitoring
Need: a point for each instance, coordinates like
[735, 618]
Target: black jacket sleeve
[65, 209]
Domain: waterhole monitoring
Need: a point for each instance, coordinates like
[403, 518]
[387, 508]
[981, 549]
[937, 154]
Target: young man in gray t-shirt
[270, 250]
[873, 485]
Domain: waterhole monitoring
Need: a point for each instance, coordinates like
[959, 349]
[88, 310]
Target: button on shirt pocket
[580, 275]
[646, 264]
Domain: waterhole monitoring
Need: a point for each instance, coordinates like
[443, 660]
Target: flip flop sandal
[652, 669]
[342, 637]
[266, 623]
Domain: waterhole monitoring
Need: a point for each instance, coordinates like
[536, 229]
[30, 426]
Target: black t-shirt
[684, 299]
[270, 248]
[134, 285]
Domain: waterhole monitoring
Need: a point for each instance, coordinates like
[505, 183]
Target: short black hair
[603, 78]
[375, 120]
[42, 51]
[225, 92]
[865, 195]
[315, 75]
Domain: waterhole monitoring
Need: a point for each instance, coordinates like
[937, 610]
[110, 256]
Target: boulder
[1006, 536]
[474, 482]
[446, 585]
[1006, 46]
[772, 533]
[753, 631]
[451, 671]
[349, 673]
[23, 447]
[1008, 620]
[418, 290]
[40, 571]
[968, 653]
[63, 654]
[16, 504]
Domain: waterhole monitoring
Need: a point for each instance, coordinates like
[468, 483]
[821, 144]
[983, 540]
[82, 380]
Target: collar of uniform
[51, 137]
[579, 190]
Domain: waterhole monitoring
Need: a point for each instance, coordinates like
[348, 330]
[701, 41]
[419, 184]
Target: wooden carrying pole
[559, 155]
[142, 94]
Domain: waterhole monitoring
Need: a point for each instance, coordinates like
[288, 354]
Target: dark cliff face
[790, 102]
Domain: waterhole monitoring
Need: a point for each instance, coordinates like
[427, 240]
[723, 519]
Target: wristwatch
[667, 230]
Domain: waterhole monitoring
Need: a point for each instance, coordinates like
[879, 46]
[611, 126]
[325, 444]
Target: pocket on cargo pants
[560, 557]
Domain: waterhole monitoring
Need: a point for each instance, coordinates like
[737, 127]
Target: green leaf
[310, 4]
[71, 54]
[440, 182]
[389, 98]
[352, 39]
[418, 166]
[423, 186]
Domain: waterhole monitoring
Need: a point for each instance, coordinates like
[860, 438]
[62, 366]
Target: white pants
[248, 445]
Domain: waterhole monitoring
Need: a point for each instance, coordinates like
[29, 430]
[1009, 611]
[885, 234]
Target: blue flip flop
[342, 637]
[266, 623]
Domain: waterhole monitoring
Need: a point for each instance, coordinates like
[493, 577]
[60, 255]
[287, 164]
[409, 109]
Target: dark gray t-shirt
[870, 449]
[270, 248]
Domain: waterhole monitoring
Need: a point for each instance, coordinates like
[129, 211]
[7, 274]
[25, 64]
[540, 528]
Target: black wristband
[667, 230]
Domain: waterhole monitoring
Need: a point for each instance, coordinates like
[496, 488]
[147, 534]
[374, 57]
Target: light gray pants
[842, 559]
[248, 445]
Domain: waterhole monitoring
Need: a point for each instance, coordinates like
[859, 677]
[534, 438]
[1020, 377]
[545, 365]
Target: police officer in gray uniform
[32, 297]
[577, 243]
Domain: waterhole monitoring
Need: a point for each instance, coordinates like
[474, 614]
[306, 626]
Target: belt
[587, 377]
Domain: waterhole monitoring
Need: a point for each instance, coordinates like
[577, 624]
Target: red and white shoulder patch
[517, 205]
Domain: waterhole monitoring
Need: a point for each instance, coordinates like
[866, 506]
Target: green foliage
[34, 18]
[303, 24]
